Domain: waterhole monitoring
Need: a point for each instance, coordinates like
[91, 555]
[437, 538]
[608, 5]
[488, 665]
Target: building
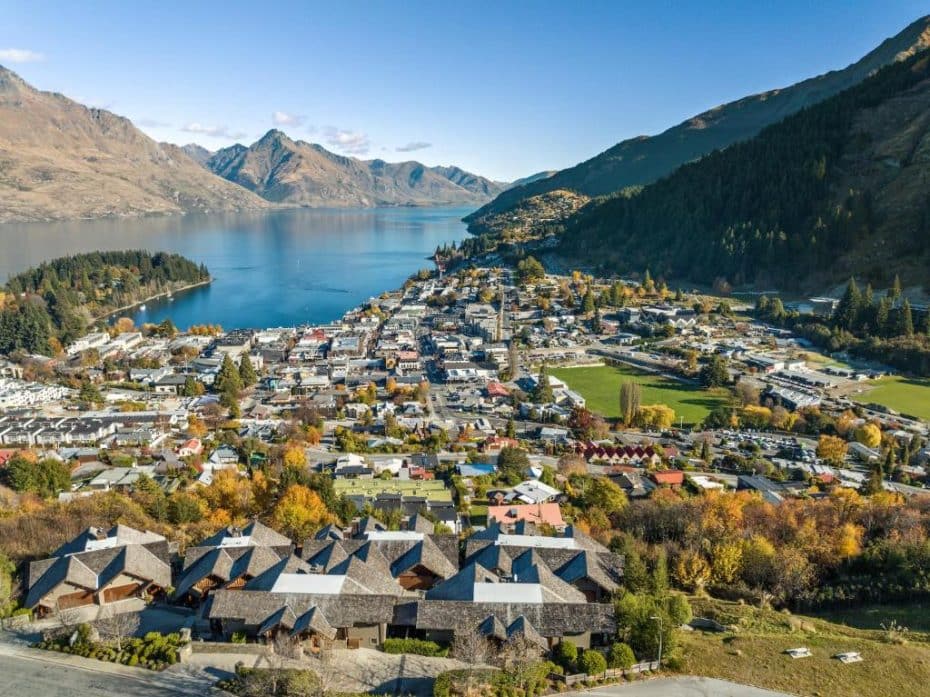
[536, 513]
[98, 568]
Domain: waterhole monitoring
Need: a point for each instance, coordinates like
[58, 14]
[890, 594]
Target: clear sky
[503, 88]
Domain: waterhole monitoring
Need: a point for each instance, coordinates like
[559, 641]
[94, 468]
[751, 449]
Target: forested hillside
[53, 304]
[644, 159]
[838, 189]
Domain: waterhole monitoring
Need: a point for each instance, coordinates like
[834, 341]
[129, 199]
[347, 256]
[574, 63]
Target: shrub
[451, 682]
[566, 653]
[592, 662]
[414, 646]
[621, 656]
[238, 638]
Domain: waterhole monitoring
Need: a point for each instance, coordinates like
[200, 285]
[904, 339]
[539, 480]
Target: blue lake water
[270, 269]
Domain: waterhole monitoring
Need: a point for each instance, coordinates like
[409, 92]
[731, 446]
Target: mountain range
[645, 159]
[295, 172]
[61, 160]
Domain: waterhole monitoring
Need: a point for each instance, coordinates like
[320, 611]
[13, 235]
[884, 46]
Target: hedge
[414, 646]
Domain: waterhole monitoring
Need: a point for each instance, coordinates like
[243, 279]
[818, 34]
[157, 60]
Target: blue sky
[502, 88]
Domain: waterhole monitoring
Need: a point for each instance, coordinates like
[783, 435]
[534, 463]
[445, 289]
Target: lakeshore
[157, 296]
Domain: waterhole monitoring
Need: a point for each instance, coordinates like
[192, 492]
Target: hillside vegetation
[835, 190]
[53, 304]
[645, 159]
[895, 663]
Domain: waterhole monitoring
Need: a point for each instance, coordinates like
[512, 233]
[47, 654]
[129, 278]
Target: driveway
[687, 686]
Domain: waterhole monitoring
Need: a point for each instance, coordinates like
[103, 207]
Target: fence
[610, 673]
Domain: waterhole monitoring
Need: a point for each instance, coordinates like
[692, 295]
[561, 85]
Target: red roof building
[673, 478]
[536, 513]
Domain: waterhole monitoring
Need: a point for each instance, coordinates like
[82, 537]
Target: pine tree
[883, 317]
[587, 304]
[895, 291]
[247, 374]
[906, 319]
[227, 379]
[542, 394]
[847, 312]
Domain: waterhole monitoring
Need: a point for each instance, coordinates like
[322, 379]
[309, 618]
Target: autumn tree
[300, 512]
[870, 435]
[630, 398]
[832, 449]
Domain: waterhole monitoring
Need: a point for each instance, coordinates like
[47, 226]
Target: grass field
[915, 617]
[753, 654]
[600, 386]
[904, 395]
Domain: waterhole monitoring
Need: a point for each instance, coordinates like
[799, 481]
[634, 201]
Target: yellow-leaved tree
[300, 512]
[870, 435]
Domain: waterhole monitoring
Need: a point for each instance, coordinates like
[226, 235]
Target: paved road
[681, 687]
[20, 675]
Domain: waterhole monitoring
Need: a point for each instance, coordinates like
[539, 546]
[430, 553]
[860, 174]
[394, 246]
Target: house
[533, 491]
[190, 448]
[670, 478]
[230, 559]
[536, 513]
[98, 568]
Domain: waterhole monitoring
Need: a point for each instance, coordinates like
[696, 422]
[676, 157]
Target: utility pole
[658, 619]
[500, 317]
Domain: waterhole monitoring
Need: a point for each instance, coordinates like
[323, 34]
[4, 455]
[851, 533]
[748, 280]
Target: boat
[142, 307]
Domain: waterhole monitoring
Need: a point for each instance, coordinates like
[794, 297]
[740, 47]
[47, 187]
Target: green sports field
[600, 386]
[904, 395]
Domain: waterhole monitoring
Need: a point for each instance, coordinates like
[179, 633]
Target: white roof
[317, 584]
[536, 541]
[242, 541]
[508, 593]
[393, 535]
[105, 543]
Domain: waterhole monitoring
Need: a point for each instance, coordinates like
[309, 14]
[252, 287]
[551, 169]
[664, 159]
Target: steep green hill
[645, 159]
[837, 189]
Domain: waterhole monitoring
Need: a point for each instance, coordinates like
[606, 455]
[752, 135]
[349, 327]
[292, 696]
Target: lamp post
[658, 619]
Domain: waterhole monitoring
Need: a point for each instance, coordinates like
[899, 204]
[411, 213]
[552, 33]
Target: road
[39, 677]
[680, 687]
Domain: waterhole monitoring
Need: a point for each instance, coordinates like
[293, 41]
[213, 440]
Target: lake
[277, 268]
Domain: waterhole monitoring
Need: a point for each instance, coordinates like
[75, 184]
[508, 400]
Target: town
[438, 472]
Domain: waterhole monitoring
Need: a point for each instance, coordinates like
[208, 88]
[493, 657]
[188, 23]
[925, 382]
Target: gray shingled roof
[329, 532]
[253, 607]
[493, 557]
[258, 533]
[95, 570]
[418, 523]
[522, 627]
[549, 619]
[493, 628]
[282, 618]
[225, 564]
[313, 620]
[426, 554]
[123, 534]
[462, 585]
[587, 565]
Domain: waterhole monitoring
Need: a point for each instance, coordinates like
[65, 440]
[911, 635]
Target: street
[40, 677]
